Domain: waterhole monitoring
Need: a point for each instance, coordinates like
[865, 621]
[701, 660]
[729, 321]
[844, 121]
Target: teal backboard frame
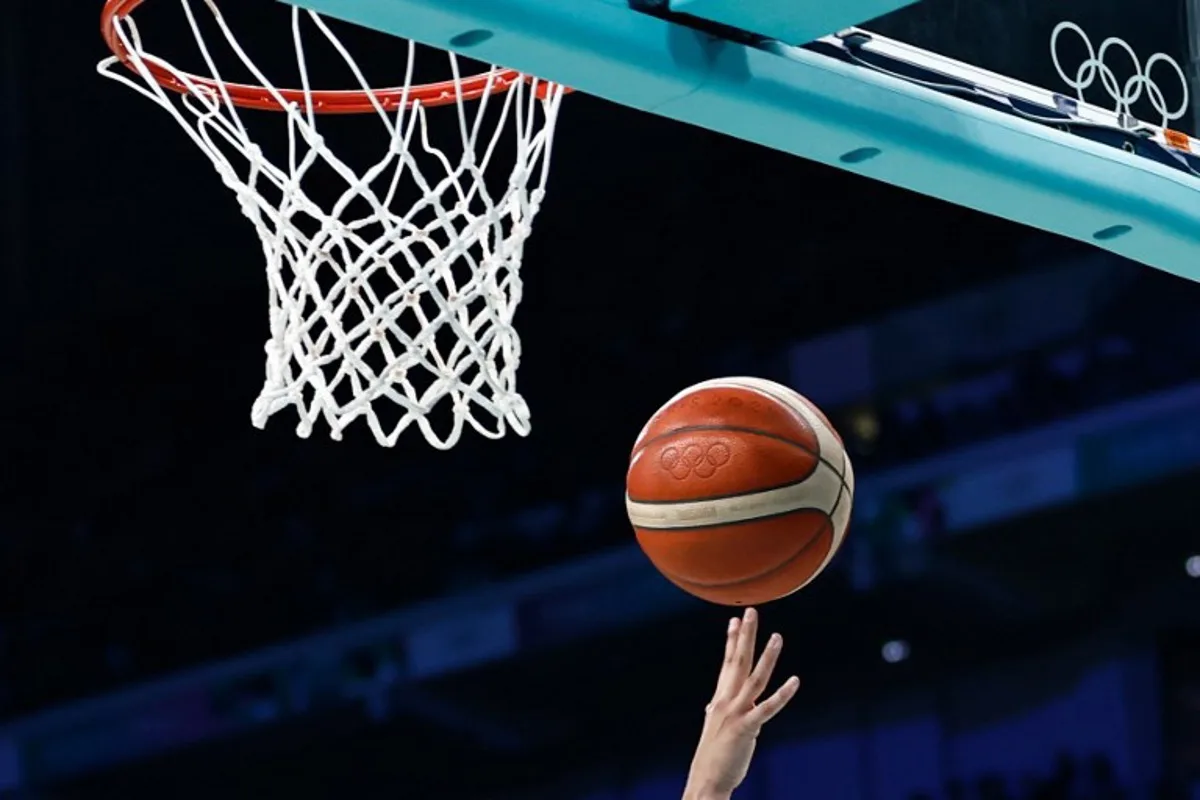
[816, 107]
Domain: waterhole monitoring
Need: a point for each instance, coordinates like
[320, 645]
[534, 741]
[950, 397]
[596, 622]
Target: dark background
[145, 527]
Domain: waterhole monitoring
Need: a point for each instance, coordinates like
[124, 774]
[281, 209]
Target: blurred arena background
[195, 609]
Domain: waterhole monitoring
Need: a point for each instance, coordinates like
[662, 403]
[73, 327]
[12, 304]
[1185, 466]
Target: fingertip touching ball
[739, 490]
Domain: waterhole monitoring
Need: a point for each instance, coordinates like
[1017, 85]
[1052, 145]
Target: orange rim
[323, 101]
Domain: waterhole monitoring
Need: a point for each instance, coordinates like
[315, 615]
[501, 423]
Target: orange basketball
[739, 490]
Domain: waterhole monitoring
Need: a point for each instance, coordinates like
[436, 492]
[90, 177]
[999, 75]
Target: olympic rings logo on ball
[1124, 96]
[703, 461]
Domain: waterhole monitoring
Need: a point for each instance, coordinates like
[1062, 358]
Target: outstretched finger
[743, 657]
[726, 675]
[765, 711]
[756, 684]
[731, 638]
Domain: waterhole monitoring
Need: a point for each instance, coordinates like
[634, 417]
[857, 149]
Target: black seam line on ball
[710, 497]
[766, 574]
[845, 487]
[802, 479]
[732, 429]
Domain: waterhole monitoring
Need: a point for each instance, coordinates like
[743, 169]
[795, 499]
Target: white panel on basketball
[819, 491]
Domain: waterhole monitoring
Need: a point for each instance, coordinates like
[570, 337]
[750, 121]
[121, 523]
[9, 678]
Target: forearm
[691, 793]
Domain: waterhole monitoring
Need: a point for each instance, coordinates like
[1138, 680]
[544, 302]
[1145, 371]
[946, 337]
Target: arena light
[895, 651]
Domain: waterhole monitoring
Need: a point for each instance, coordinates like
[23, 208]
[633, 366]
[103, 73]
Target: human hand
[733, 717]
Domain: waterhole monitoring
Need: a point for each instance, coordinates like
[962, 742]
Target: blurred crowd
[1092, 778]
[1146, 342]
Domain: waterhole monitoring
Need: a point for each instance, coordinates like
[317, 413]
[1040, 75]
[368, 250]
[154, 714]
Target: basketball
[739, 490]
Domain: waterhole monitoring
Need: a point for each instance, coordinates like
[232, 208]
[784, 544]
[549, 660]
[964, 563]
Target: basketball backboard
[957, 99]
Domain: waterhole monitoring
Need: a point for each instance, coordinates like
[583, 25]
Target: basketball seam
[709, 497]
[727, 383]
[808, 405]
[732, 429]
[787, 562]
[818, 459]
[785, 395]
[843, 490]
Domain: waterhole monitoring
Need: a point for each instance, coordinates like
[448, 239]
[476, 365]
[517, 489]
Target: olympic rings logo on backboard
[1124, 95]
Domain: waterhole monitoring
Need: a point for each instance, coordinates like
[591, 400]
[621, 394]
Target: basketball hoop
[380, 306]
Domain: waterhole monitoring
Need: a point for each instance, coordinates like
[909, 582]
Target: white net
[392, 287]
